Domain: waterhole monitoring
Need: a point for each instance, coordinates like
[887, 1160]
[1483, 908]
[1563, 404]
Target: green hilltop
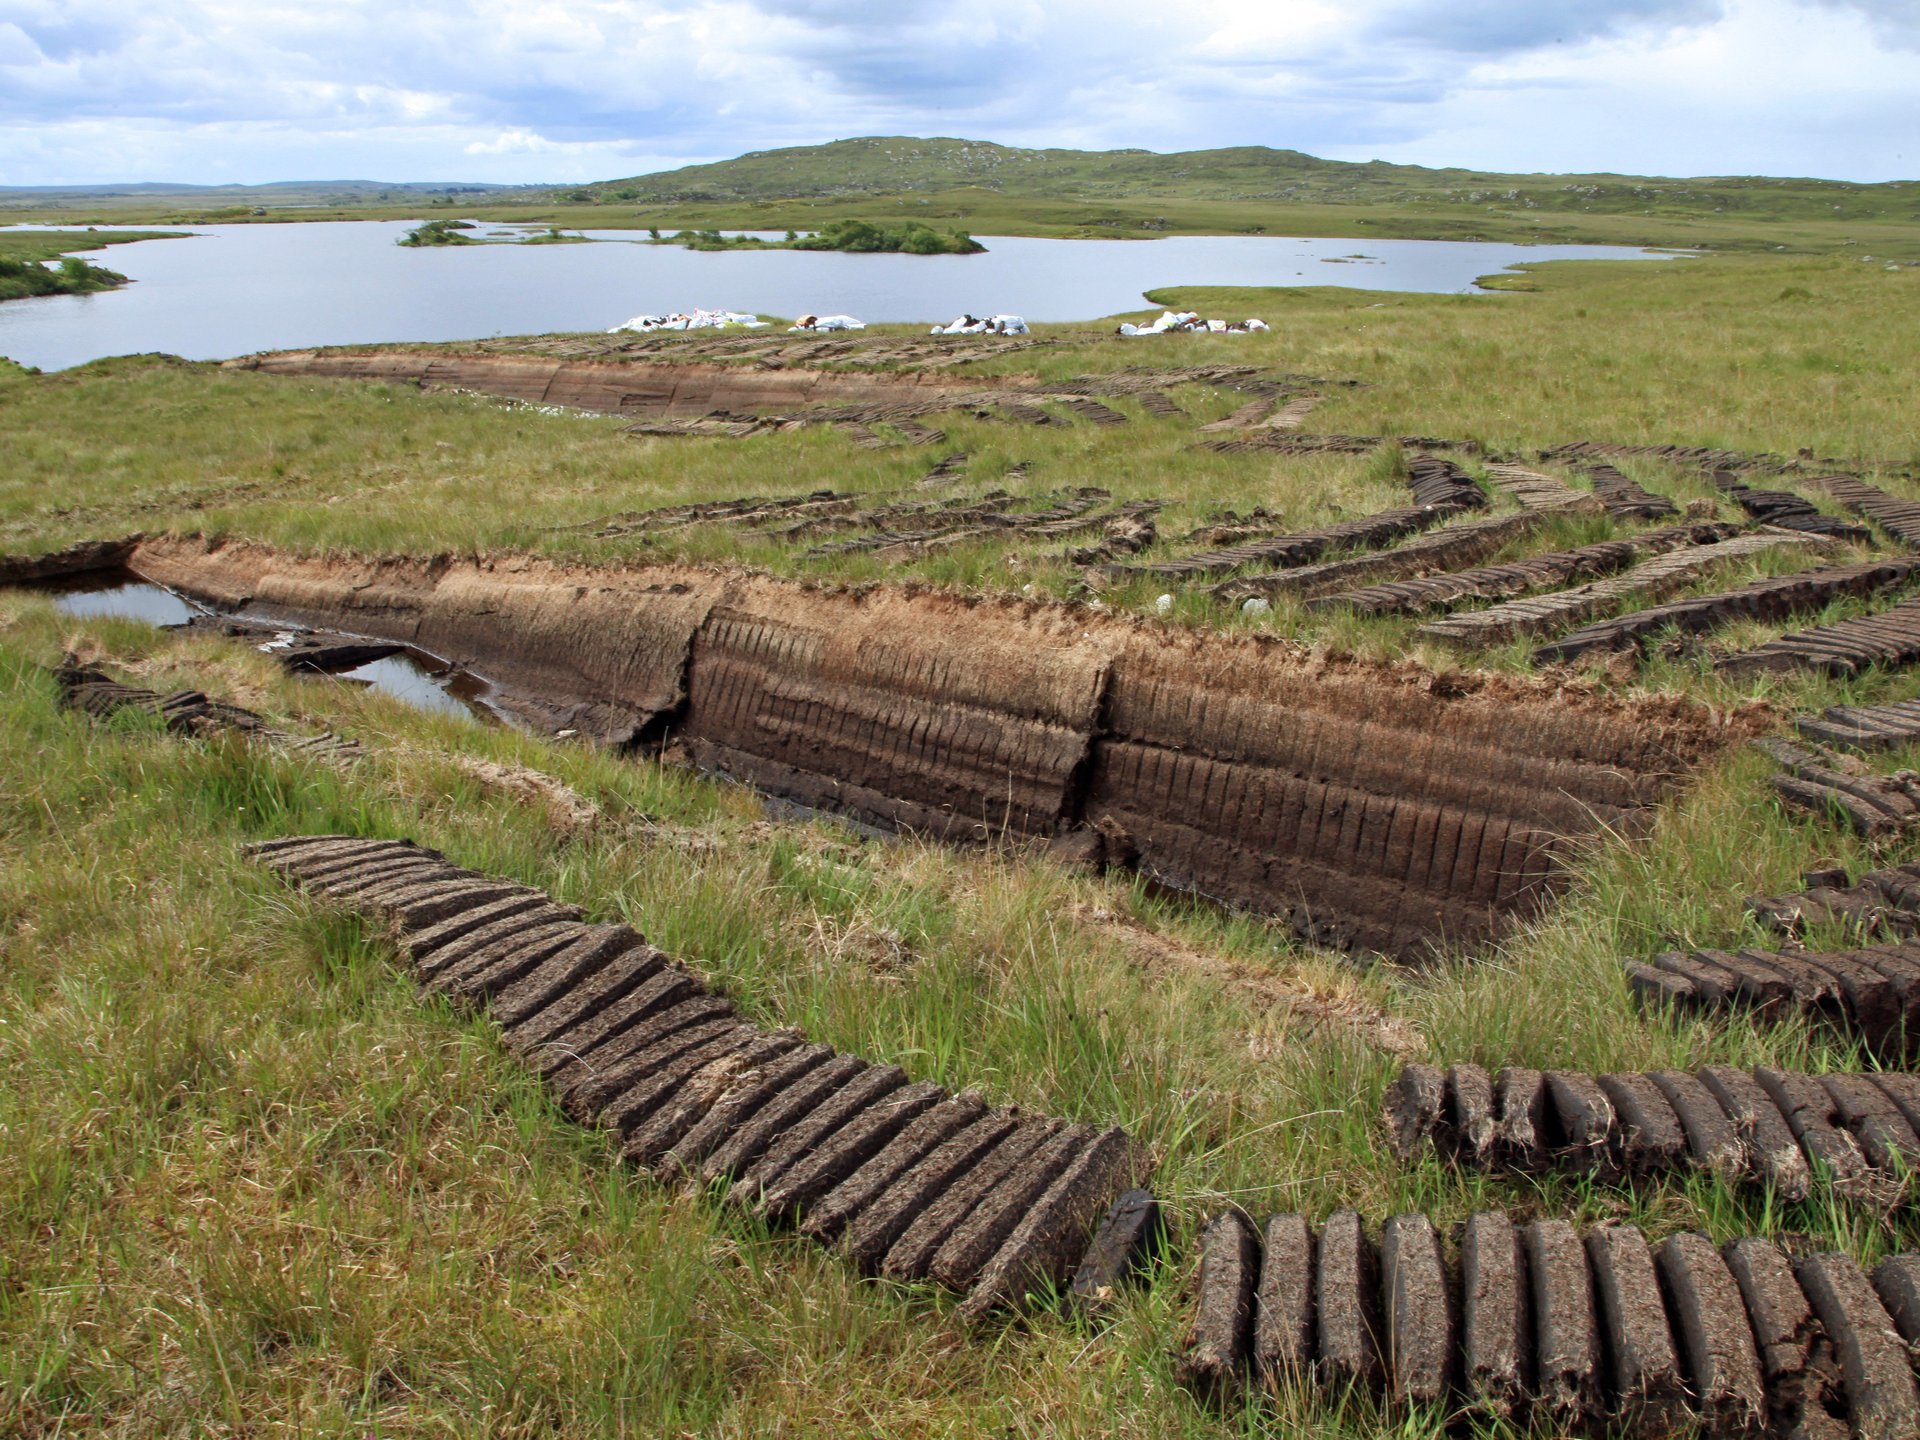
[887, 166]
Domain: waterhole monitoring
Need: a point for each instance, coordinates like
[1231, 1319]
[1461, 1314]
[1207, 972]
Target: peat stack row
[1864, 727]
[1849, 648]
[1625, 498]
[1435, 552]
[1777, 1127]
[1773, 598]
[1897, 516]
[1787, 510]
[1702, 456]
[1232, 767]
[1441, 490]
[907, 1179]
[1537, 491]
[184, 712]
[1879, 902]
[1833, 786]
[1539, 1326]
[1521, 577]
[1283, 552]
[1650, 579]
[1871, 993]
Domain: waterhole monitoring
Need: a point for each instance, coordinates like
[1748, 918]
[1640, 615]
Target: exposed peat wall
[624, 387]
[1376, 806]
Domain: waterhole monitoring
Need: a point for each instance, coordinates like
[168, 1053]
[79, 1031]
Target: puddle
[411, 676]
[419, 680]
[123, 598]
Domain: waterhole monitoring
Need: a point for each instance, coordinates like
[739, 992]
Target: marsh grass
[249, 1174]
[250, 1183]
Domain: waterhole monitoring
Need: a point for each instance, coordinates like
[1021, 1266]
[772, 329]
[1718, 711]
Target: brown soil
[1375, 805]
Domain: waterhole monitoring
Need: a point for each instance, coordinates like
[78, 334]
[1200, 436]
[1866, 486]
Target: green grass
[247, 1173]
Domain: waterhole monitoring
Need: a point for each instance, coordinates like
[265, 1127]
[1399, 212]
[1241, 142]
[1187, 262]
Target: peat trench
[1374, 806]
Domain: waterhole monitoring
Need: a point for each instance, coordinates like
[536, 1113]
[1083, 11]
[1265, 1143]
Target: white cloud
[578, 89]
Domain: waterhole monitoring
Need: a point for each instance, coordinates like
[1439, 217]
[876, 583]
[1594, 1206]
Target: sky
[509, 91]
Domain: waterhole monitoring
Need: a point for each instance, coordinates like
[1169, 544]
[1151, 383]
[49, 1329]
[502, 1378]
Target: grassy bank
[247, 1173]
[23, 273]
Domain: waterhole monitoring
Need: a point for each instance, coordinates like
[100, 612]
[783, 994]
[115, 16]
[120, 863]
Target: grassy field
[250, 1184]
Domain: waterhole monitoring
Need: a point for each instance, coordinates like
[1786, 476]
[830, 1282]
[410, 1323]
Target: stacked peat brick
[906, 1179]
[1771, 1126]
[1535, 1324]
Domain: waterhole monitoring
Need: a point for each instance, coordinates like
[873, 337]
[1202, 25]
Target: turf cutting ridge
[1535, 1324]
[1765, 1126]
[1650, 578]
[791, 1131]
[1234, 767]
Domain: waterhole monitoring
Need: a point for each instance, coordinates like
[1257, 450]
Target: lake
[234, 289]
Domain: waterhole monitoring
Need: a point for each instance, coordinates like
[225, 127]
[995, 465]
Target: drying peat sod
[1421, 792]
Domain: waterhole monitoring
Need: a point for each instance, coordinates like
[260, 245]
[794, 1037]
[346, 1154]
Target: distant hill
[883, 166]
[279, 192]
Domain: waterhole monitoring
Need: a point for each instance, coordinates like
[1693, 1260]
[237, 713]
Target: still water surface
[410, 676]
[234, 289]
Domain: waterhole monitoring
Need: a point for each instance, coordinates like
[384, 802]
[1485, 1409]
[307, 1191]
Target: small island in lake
[857, 237]
[448, 232]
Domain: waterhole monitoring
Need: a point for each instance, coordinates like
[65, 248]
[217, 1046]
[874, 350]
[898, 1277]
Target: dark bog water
[411, 676]
[233, 289]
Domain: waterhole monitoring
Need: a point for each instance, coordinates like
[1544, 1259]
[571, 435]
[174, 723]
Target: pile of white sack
[974, 325]
[692, 320]
[817, 323]
[1172, 322]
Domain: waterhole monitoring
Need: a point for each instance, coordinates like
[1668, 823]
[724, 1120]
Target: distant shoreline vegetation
[24, 275]
[22, 279]
[854, 237]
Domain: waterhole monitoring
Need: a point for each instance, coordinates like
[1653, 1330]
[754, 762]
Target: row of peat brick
[904, 1178]
[184, 712]
[1885, 901]
[1779, 1127]
[1768, 599]
[1546, 571]
[1870, 992]
[1535, 1324]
